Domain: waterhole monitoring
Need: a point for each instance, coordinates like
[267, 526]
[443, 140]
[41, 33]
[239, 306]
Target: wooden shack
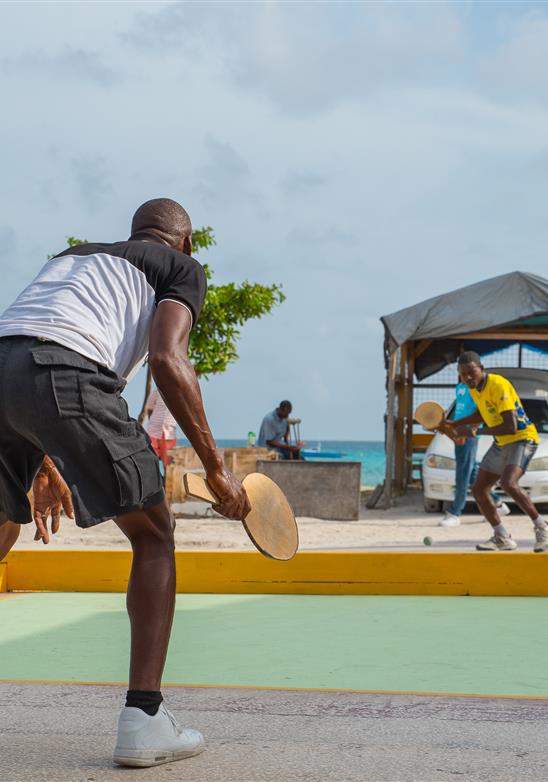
[421, 340]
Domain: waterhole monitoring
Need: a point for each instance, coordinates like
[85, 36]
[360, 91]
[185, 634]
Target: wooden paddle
[270, 523]
[429, 415]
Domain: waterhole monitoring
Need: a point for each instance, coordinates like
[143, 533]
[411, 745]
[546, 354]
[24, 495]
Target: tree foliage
[213, 341]
[212, 345]
[226, 309]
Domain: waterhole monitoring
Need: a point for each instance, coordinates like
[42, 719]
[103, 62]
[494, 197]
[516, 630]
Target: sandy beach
[402, 527]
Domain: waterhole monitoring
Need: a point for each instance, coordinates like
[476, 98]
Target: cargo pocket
[68, 372]
[135, 467]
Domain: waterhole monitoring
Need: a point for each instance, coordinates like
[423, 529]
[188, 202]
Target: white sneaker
[149, 741]
[503, 509]
[541, 535]
[449, 520]
[498, 543]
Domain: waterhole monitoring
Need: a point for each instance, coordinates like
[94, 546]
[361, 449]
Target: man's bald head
[166, 220]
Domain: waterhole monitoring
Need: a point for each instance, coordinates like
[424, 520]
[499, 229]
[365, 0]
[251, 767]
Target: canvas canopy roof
[517, 299]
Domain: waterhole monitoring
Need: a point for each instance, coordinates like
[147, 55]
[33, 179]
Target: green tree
[213, 341]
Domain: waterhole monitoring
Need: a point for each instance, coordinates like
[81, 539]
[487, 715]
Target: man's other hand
[448, 429]
[233, 502]
[465, 432]
[50, 495]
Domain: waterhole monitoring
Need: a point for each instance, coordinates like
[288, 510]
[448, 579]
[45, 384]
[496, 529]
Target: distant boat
[317, 453]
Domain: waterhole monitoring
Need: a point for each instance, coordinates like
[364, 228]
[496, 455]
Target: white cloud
[92, 178]
[367, 156]
[70, 63]
[306, 60]
[517, 69]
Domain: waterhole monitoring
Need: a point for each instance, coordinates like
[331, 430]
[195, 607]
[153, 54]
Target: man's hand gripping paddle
[431, 416]
[270, 523]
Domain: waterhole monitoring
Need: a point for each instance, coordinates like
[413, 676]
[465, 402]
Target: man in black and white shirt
[68, 344]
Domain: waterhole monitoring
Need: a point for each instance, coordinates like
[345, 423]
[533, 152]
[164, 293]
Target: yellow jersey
[498, 396]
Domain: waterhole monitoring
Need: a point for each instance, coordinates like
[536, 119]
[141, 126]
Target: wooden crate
[240, 461]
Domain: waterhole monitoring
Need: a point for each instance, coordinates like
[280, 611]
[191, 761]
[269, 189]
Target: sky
[366, 156]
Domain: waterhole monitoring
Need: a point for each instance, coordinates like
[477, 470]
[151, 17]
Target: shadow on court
[65, 733]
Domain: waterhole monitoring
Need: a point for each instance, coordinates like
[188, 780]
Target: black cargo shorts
[55, 401]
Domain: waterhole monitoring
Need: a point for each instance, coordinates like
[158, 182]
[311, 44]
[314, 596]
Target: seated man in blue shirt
[466, 468]
[274, 432]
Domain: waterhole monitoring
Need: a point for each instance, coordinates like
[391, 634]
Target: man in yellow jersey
[500, 414]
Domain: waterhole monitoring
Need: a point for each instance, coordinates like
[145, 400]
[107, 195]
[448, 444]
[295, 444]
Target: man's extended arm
[470, 420]
[470, 424]
[178, 386]
[509, 425]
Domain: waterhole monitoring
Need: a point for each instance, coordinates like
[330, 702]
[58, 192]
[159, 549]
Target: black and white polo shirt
[99, 299]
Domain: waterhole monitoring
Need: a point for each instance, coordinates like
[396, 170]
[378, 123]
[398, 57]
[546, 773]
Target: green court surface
[460, 645]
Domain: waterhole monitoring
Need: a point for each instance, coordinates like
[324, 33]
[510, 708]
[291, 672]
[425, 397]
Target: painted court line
[12, 595]
[424, 693]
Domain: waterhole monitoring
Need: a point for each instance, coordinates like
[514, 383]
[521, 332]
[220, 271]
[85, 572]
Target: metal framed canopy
[421, 340]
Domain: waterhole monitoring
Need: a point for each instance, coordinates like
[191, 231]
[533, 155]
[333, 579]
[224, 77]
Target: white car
[438, 467]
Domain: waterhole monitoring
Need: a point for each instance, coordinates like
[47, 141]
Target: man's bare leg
[510, 483]
[147, 734]
[482, 494]
[501, 540]
[151, 592]
[9, 532]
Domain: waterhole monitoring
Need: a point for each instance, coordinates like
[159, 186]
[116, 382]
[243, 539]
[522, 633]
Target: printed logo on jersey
[523, 421]
[490, 407]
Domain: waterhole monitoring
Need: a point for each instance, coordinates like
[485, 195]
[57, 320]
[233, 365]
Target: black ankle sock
[146, 700]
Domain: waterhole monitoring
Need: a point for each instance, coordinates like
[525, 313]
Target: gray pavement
[65, 733]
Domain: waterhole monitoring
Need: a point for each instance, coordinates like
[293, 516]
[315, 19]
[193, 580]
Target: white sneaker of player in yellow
[541, 535]
[498, 543]
[149, 741]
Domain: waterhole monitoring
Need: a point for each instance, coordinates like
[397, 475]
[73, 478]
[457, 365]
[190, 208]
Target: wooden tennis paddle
[270, 523]
[429, 415]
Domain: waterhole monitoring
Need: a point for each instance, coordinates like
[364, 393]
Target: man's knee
[480, 490]
[158, 542]
[9, 532]
[161, 530]
[152, 528]
[477, 490]
[510, 485]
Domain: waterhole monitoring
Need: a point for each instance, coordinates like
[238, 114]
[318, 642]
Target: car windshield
[536, 410]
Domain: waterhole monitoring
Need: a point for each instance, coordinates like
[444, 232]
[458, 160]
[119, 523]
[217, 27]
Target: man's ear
[184, 245]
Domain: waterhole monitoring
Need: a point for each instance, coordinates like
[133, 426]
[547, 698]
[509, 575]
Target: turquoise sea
[369, 452]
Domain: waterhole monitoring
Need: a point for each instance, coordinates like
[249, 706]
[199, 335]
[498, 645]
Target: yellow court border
[308, 573]
[270, 688]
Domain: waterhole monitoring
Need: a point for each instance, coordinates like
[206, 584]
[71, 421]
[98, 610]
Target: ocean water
[369, 452]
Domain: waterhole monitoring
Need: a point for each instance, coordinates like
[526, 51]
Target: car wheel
[432, 506]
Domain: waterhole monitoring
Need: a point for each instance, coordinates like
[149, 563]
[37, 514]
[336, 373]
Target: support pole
[386, 498]
[409, 410]
[400, 421]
